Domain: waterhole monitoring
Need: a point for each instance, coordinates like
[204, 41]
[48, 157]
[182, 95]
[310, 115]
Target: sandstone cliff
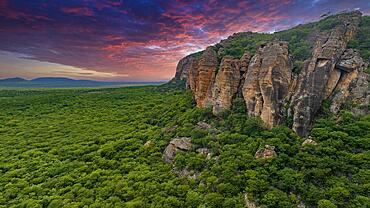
[313, 82]
[266, 80]
[226, 84]
[202, 77]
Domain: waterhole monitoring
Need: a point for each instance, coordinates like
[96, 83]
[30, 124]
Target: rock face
[226, 84]
[318, 72]
[205, 76]
[353, 83]
[267, 152]
[192, 78]
[244, 63]
[267, 82]
[182, 143]
[182, 69]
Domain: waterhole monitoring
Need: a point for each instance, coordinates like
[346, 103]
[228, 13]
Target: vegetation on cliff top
[362, 40]
[300, 38]
[76, 148]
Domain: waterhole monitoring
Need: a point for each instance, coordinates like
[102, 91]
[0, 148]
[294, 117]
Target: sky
[135, 40]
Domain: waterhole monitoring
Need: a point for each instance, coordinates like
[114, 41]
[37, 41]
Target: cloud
[80, 11]
[137, 39]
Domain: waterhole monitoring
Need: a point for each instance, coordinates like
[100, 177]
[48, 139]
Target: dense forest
[87, 148]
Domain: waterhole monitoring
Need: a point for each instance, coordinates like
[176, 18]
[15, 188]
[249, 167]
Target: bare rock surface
[248, 203]
[226, 84]
[206, 73]
[309, 142]
[353, 84]
[181, 143]
[182, 69]
[205, 151]
[267, 82]
[267, 152]
[204, 125]
[313, 82]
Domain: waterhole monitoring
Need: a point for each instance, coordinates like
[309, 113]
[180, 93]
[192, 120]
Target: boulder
[267, 82]
[309, 142]
[203, 125]
[181, 143]
[267, 152]
[350, 61]
[189, 174]
[205, 151]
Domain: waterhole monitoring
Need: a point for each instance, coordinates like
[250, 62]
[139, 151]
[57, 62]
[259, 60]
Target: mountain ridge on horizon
[50, 82]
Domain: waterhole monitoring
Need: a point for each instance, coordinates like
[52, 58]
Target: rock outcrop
[244, 63]
[205, 152]
[192, 78]
[267, 152]
[205, 74]
[267, 82]
[182, 69]
[319, 72]
[189, 174]
[249, 203]
[353, 83]
[309, 142]
[203, 125]
[181, 143]
[226, 84]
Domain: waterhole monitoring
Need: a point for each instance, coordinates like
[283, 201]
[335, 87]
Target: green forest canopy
[85, 147]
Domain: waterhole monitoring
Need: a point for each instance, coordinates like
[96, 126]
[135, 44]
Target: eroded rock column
[226, 84]
[267, 82]
[205, 77]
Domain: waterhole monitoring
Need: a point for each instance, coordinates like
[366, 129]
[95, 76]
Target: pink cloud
[81, 11]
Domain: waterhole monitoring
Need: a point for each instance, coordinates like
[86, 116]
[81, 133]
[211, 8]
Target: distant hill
[62, 82]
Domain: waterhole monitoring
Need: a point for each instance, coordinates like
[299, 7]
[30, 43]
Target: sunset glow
[134, 40]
